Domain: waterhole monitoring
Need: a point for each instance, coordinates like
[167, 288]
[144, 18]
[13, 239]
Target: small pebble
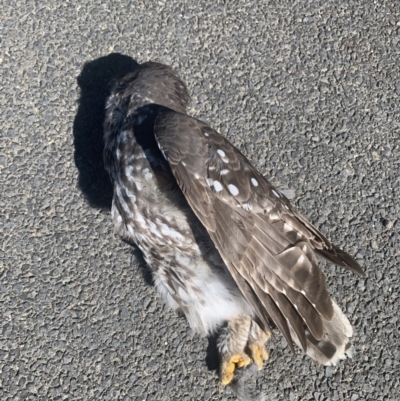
[387, 223]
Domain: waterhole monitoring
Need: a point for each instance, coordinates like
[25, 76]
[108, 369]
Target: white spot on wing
[224, 171]
[206, 134]
[233, 189]
[254, 182]
[246, 206]
[221, 152]
[275, 193]
[210, 182]
[218, 186]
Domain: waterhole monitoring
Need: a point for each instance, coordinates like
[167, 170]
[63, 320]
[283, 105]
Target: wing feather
[275, 315]
[267, 246]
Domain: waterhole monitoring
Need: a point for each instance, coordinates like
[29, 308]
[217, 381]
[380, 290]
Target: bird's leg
[231, 346]
[256, 344]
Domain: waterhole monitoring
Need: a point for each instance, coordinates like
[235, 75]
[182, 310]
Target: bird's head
[153, 83]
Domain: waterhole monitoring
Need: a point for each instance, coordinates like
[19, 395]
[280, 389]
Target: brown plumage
[258, 234]
[233, 222]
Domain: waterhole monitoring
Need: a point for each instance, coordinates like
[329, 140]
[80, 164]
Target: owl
[225, 247]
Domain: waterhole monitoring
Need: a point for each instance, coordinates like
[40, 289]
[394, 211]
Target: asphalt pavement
[308, 90]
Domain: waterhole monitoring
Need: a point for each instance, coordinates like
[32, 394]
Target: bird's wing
[267, 246]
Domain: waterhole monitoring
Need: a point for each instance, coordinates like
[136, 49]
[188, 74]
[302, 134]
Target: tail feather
[340, 258]
[335, 345]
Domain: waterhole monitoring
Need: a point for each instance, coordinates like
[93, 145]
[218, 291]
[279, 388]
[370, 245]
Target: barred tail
[335, 345]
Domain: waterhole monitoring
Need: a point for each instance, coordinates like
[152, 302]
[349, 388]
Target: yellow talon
[240, 360]
[267, 335]
[259, 354]
[228, 367]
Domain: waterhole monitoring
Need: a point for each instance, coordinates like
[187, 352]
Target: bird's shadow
[94, 83]
[212, 355]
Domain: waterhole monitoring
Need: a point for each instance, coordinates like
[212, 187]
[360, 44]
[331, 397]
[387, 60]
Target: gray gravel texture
[309, 91]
